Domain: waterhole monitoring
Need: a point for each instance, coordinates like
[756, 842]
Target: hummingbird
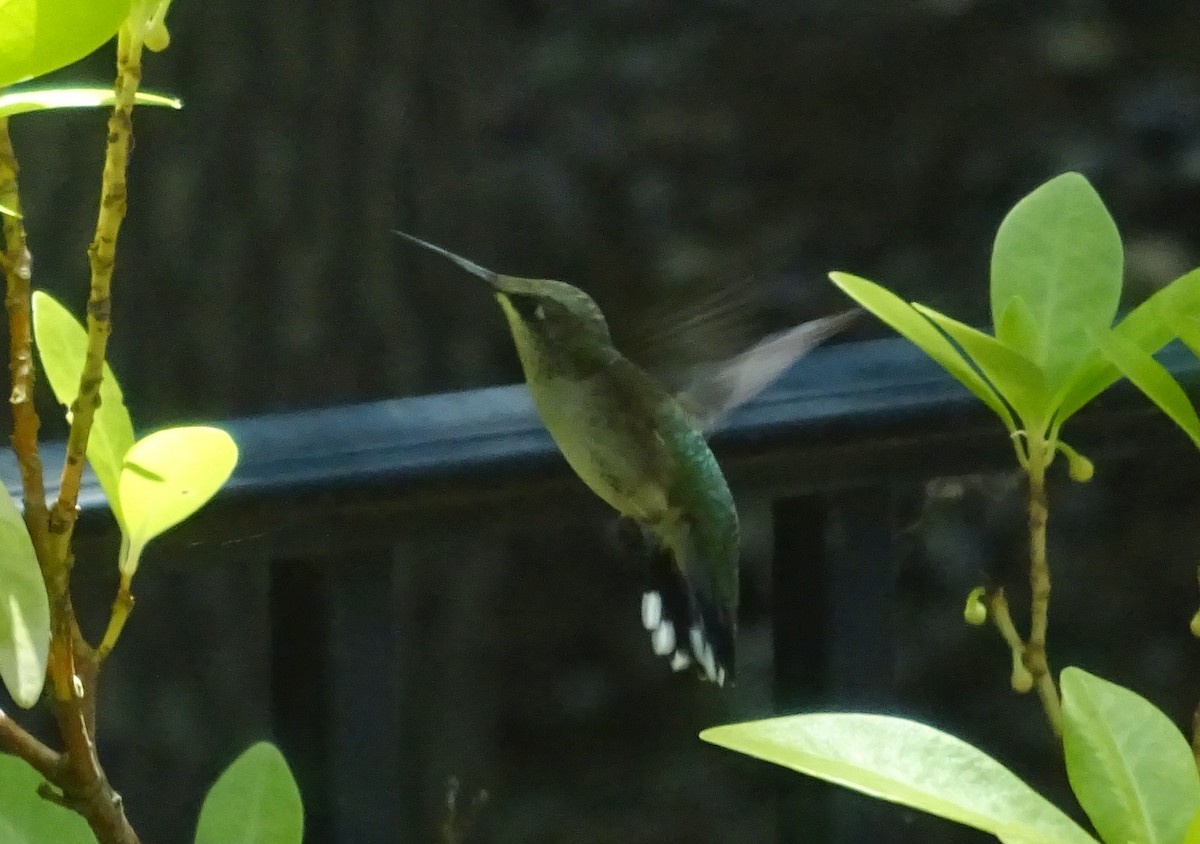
[643, 450]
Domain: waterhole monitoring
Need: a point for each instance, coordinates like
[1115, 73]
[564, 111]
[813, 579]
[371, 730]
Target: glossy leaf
[166, 477]
[901, 316]
[1153, 379]
[62, 346]
[255, 801]
[20, 102]
[24, 609]
[1129, 765]
[1059, 251]
[38, 36]
[908, 763]
[1015, 377]
[26, 818]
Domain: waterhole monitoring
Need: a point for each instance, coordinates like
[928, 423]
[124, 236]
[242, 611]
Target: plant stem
[101, 257]
[71, 667]
[121, 607]
[18, 272]
[16, 740]
[73, 664]
[1035, 659]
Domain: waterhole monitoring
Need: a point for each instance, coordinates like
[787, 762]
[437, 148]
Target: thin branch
[101, 256]
[121, 607]
[73, 664]
[18, 270]
[16, 740]
[1035, 657]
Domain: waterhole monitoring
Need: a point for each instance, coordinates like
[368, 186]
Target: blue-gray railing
[827, 444]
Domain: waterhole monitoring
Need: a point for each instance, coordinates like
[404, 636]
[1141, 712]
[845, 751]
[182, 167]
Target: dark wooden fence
[334, 509]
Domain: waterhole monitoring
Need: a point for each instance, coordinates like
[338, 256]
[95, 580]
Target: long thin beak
[470, 266]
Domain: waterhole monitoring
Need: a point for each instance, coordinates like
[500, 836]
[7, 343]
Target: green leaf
[1015, 377]
[20, 102]
[26, 818]
[901, 316]
[1059, 251]
[24, 609]
[255, 801]
[167, 476]
[908, 763]
[8, 212]
[1152, 378]
[1187, 327]
[38, 36]
[1016, 328]
[62, 346]
[1192, 836]
[1130, 767]
[1147, 326]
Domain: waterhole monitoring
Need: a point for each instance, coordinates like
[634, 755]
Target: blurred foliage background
[671, 159]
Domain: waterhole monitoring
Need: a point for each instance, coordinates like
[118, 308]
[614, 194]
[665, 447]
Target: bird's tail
[684, 622]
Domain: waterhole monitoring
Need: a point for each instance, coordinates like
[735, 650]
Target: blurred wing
[717, 390]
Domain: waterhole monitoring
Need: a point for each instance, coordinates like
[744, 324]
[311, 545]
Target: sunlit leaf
[38, 36]
[19, 102]
[62, 346]
[1014, 376]
[909, 763]
[1192, 836]
[1059, 251]
[901, 316]
[166, 477]
[255, 801]
[24, 609]
[26, 818]
[1153, 379]
[1129, 765]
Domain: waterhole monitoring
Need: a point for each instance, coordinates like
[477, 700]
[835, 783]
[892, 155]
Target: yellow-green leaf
[166, 477]
[38, 36]
[1153, 379]
[1129, 765]
[1017, 329]
[1146, 326]
[909, 763]
[1192, 836]
[62, 346]
[255, 801]
[1017, 378]
[901, 316]
[24, 609]
[1187, 327]
[1059, 250]
[20, 102]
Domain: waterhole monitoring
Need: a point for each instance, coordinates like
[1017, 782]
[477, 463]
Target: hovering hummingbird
[643, 450]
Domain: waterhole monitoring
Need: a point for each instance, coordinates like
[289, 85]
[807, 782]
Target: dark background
[657, 154]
